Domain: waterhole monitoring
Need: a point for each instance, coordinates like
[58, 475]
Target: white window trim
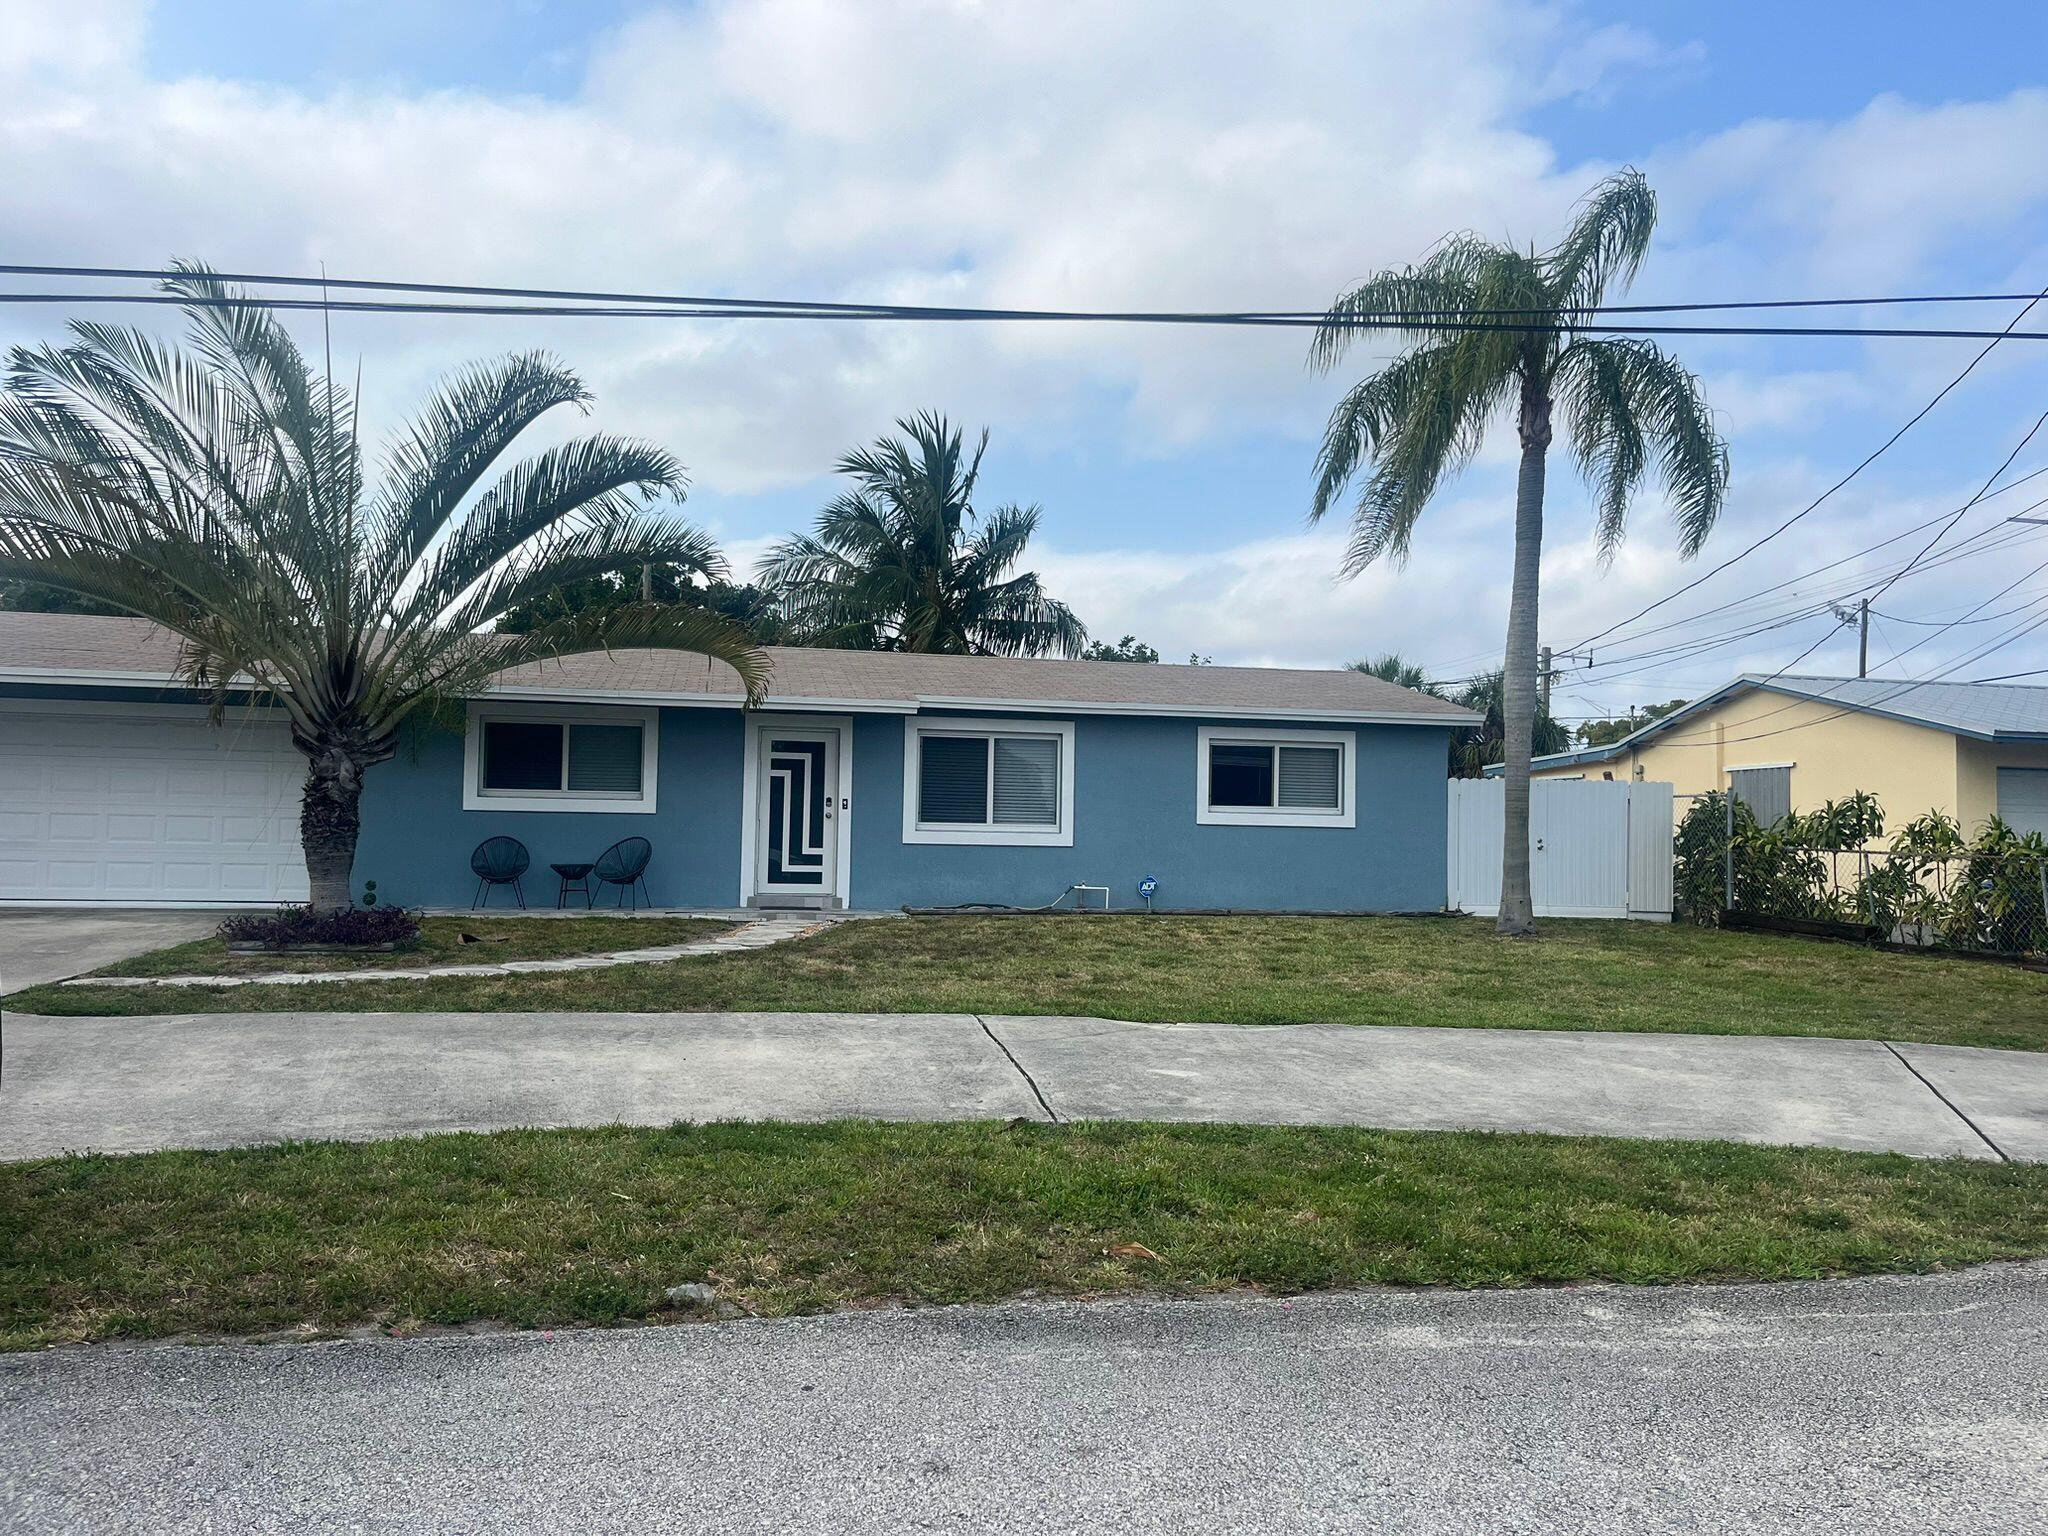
[476, 798]
[1059, 835]
[1346, 814]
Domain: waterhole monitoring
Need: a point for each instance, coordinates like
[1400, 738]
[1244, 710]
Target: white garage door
[146, 805]
[2023, 799]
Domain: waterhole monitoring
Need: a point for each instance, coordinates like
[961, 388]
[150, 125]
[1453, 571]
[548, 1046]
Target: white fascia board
[1193, 711]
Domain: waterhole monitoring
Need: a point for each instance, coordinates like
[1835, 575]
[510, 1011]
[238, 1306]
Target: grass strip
[556, 1228]
[1661, 978]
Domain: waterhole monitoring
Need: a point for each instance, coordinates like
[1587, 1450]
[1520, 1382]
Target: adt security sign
[1148, 886]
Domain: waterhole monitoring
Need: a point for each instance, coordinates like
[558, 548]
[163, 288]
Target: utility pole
[1543, 677]
[1863, 638]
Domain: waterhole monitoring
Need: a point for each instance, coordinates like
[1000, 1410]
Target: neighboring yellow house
[1969, 749]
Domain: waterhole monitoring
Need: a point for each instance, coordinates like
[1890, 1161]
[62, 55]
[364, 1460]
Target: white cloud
[1155, 154]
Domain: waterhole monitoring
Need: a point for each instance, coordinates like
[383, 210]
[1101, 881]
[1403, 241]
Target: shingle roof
[135, 651]
[1986, 711]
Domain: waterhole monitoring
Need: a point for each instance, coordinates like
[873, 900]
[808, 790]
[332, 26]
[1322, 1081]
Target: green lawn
[1253, 970]
[479, 938]
[572, 1227]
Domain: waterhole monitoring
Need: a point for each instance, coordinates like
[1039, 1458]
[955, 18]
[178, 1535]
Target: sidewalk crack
[1029, 1081]
[1954, 1108]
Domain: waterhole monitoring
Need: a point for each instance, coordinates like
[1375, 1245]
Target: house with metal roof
[865, 780]
[1971, 750]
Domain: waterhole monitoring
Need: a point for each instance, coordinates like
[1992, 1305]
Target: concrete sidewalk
[209, 1080]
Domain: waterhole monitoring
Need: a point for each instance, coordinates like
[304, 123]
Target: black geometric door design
[797, 795]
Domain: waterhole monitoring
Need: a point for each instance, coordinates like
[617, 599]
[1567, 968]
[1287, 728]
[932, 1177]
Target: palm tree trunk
[330, 817]
[1518, 685]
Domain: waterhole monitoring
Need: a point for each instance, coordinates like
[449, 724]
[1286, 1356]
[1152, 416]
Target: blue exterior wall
[417, 838]
[1134, 792]
[1134, 815]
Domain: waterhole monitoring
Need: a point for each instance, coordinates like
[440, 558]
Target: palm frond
[1606, 244]
[1623, 391]
[590, 480]
[639, 626]
[468, 424]
[1400, 432]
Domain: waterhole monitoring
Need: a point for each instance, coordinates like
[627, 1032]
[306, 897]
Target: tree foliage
[1397, 669]
[1605, 733]
[1130, 648]
[1486, 743]
[748, 606]
[220, 489]
[904, 561]
[1487, 330]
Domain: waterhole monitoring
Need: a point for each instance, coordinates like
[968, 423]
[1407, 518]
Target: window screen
[952, 780]
[522, 754]
[604, 759]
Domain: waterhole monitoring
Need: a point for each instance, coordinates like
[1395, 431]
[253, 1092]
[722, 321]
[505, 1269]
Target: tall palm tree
[1490, 329]
[904, 562]
[220, 491]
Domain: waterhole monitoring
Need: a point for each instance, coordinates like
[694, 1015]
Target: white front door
[796, 812]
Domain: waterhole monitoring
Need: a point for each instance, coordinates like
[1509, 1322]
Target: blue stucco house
[866, 780]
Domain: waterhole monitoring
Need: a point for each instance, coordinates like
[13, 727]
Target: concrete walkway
[113, 1084]
[753, 933]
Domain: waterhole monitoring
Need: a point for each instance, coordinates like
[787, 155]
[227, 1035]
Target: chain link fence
[1991, 903]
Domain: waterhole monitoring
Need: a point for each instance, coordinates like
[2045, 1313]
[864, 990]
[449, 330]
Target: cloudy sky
[1143, 154]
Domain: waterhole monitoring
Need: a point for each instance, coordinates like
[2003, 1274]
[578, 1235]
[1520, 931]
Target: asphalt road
[1900, 1405]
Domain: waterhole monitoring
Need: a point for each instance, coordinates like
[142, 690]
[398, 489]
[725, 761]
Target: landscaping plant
[296, 926]
[220, 491]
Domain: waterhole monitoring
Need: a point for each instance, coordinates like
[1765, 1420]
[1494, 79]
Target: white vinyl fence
[1596, 849]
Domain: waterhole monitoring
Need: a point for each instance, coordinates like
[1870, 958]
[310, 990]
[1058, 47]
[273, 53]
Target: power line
[595, 296]
[1813, 505]
[2008, 676]
[1832, 564]
[933, 313]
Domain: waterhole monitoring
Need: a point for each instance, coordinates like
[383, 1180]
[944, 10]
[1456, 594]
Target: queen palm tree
[219, 491]
[1488, 330]
[903, 562]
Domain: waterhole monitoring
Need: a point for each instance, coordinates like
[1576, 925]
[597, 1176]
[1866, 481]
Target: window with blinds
[1247, 779]
[1246, 775]
[567, 758]
[988, 781]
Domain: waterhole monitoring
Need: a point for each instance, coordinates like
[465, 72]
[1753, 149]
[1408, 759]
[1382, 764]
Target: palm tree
[220, 492]
[1489, 329]
[1486, 743]
[1400, 671]
[905, 563]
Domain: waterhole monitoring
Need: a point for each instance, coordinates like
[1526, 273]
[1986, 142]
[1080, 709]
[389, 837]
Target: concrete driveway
[39, 944]
[186, 1080]
[1914, 1405]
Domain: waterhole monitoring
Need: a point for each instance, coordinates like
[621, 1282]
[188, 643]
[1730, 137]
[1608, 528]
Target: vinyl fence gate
[1596, 848]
